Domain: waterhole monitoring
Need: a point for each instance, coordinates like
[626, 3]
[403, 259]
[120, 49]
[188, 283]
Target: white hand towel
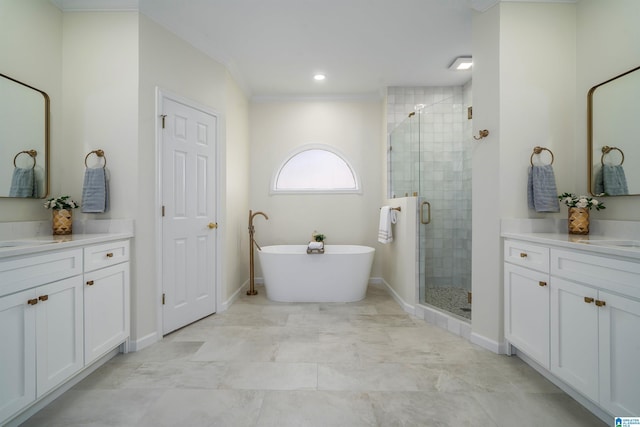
[316, 245]
[385, 235]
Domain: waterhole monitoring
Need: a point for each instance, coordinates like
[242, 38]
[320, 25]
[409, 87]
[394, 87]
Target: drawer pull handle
[43, 297]
[523, 255]
[600, 303]
[90, 283]
[542, 283]
[588, 300]
[110, 255]
[32, 301]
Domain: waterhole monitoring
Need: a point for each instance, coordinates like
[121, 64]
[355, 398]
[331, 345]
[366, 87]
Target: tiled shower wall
[440, 146]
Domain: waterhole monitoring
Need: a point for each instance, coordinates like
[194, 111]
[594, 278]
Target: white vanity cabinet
[106, 297]
[526, 296]
[595, 324]
[60, 311]
[576, 312]
[40, 327]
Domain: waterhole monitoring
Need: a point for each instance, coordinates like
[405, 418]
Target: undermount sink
[18, 243]
[627, 244]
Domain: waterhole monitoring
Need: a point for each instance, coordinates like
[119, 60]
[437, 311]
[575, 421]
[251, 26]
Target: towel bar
[538, 150]
[399, 209]
[99, 153]
[606, 150]
[32, 153]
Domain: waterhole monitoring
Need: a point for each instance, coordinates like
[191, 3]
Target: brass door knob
[213, 225]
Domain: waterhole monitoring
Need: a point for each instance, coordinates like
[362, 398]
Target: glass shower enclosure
[430, 157]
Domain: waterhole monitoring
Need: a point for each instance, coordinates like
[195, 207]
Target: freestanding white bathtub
[340, 274]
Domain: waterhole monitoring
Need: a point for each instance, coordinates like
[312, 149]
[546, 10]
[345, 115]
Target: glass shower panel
[404, 148]
[430, 155]
[445, 184]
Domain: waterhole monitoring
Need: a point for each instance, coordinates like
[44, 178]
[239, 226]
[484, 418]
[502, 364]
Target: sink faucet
[252, 242]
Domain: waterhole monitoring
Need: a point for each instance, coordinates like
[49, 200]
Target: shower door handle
[422, 221]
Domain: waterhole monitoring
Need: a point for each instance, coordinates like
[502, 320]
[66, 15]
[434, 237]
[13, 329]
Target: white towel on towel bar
[387, 217]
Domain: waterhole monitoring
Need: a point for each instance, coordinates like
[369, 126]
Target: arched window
[315, 168]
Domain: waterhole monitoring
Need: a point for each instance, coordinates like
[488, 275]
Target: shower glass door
[445, 203]
[431, 156]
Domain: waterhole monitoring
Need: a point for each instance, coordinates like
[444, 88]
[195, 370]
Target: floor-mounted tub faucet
[252, 242]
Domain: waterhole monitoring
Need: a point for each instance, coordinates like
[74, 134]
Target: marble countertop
[597, 244]
[32, 237]
[615, 238]
[39, 244]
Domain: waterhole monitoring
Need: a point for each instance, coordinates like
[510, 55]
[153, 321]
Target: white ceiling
[274, 47]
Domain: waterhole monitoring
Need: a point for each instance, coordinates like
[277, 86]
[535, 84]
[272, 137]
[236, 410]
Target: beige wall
[399, 258]
[236, 206]
[351, 127]
[485, 270]
[31, 52]
[100, 106]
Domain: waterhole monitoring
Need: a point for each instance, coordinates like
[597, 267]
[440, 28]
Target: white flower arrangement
[573, 201]
[60, 202]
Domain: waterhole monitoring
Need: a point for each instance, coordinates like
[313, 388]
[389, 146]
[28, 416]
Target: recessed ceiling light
[319, 77]
[461, 63]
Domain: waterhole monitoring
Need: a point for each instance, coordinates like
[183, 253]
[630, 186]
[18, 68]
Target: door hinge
[163, 117]
[163, 299]
[162, 210]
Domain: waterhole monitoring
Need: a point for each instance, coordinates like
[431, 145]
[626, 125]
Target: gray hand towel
[95, 192]
[23, 183]
[614, 180]
[542, 194]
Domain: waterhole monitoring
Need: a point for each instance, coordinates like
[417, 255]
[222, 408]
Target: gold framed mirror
[613, 135]
[24, 140]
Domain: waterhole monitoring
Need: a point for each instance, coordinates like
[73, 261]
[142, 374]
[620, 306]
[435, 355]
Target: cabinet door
[526, 301]
[18, 354]
[619, 354]
[59, 327]
[106, 310]
[574, 336]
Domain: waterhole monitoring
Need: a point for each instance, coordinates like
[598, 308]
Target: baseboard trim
[229, 302]
[144, 342]
[488, 344]
[380, 282]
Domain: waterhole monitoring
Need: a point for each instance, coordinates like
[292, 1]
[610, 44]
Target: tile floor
[272, 364]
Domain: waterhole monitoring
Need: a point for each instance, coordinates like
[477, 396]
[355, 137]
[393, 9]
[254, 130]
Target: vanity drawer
[105, 255]
[24, 272]
[527, 255]
[609, 273]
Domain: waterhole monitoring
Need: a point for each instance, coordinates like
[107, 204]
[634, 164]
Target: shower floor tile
[451, 299]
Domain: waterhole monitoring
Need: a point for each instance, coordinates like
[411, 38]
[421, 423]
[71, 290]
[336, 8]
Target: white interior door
[188, 222]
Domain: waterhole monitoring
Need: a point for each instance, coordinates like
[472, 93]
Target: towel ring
[32, 153]
[98, 153]
[538, 150]
[606, 150]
